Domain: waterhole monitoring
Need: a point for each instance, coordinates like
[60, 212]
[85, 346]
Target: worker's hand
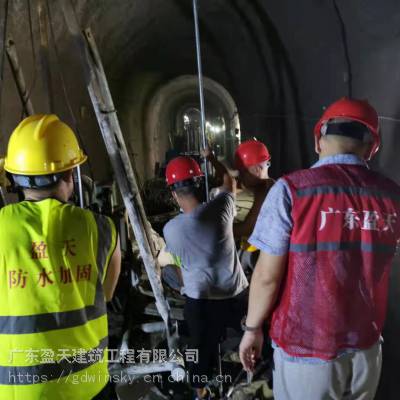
[229, 184]
[206, 153]
[250, 349]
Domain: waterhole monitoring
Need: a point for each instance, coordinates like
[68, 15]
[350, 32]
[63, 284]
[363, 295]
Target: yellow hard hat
[42, 145]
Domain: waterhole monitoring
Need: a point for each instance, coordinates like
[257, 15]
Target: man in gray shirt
[202, 237]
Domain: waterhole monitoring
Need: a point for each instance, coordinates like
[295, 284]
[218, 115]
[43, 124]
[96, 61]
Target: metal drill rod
[80, 190]
[249, 377]
[201, 92]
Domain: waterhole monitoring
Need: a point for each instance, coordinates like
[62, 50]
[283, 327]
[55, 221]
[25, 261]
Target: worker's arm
[229, 184]
[264, 289]
[272, 236]
[220, 169]
[246, 227]
[113, 271]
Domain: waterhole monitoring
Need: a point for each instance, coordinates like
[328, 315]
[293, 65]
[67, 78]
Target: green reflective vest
[53, 321]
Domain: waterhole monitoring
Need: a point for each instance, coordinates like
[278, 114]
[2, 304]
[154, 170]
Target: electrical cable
[201, 94]
[345, 48]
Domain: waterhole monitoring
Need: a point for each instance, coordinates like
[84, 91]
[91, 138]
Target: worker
[59, 264]
[252, 160]
[214, 282]
[327, 237]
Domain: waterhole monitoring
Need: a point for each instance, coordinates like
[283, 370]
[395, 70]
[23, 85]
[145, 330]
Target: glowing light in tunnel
[214, 128]
[217, 129]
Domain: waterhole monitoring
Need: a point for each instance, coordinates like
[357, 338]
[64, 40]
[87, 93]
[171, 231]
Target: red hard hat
[356, 110]
[249, 153]
[182, 169]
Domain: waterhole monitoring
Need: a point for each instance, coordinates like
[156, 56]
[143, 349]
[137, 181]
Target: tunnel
[270, 69]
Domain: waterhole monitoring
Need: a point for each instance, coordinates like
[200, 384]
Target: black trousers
[207, 321]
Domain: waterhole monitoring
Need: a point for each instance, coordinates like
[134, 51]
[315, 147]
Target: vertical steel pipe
[80, 189]
[201, 91]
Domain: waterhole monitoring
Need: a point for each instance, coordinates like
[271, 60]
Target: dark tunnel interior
[270, 69]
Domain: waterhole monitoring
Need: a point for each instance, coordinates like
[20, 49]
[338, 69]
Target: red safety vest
[346, 221]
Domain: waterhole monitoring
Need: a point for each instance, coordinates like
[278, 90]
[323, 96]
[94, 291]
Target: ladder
[124, 173]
